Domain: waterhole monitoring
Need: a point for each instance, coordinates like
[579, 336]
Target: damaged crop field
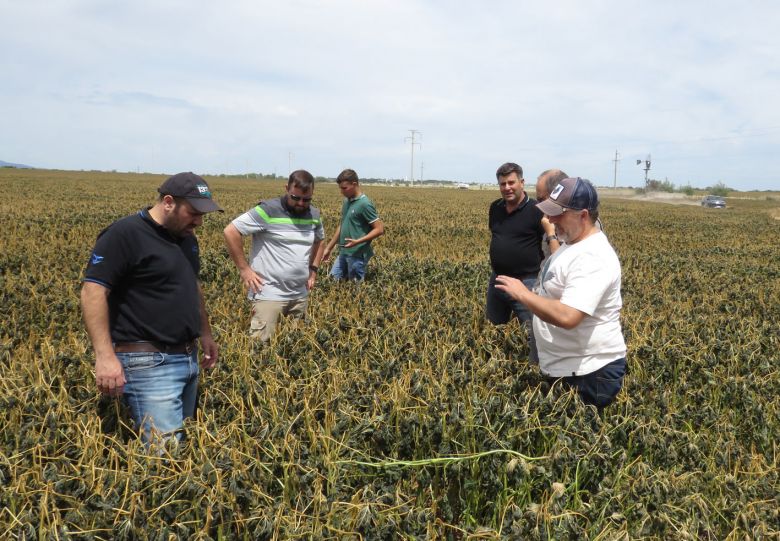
[396, 412]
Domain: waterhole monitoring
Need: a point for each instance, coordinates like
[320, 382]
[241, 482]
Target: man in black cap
[577, 305]
[144, 310]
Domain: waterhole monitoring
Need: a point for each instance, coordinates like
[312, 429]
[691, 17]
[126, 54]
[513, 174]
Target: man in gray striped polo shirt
[287, 235]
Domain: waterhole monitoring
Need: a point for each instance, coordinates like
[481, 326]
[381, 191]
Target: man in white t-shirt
[577, 304]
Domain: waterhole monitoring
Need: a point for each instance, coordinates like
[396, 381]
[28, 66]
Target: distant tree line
[666, 186]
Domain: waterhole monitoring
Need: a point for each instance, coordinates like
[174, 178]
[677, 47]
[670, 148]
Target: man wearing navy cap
[144, 310]
[577, 305]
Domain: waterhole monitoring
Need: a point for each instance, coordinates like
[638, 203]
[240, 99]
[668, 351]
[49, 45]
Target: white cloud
[224, 86]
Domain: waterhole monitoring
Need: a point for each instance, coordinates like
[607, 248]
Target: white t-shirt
[586, 276]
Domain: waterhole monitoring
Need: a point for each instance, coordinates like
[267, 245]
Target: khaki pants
[265, 315]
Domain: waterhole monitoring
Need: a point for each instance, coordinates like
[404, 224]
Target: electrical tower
[412, 142]
[616, 160]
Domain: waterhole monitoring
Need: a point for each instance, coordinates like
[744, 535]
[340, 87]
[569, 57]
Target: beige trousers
[265, 315]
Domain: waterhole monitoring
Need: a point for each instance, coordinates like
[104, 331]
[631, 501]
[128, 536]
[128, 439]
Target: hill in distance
[17, 165]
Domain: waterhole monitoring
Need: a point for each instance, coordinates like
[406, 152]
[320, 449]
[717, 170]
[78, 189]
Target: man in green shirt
[360, 224]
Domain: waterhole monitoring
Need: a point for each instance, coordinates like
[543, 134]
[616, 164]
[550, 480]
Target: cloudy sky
[238, 85]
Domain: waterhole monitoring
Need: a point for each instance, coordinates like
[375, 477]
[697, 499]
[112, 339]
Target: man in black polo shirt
[144, 311]
[516, 231]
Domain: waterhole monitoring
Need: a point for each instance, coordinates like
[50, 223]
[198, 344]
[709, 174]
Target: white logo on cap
[556, 192]
[203, 189]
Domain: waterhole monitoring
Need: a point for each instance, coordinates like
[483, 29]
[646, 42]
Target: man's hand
[109, 376]
[349, 243]
[251, 280]
[549, 310]
[549, 228]
[311, 280]
[210, 352]
[512, 286]
[326, 253]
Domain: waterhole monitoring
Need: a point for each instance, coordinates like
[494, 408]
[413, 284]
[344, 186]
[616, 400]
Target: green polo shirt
[357, 215]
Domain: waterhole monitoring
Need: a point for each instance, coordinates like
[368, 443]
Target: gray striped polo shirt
[281, 247]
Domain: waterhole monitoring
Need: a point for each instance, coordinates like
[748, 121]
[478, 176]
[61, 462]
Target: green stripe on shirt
[285, 220]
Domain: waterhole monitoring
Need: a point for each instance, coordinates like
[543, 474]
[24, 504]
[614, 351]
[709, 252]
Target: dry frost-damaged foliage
[397, 412]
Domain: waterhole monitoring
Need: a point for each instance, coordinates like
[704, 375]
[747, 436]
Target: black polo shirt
[153, 281]
[516, 238]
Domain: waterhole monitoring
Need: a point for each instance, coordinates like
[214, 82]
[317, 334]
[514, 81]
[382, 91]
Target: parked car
[713, 202]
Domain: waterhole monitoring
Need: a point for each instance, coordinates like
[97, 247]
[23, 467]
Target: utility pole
[422, 168]
[617, 159]
[412, 141]
[289, 162]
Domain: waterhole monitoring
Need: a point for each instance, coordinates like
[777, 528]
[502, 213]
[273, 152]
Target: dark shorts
[599, 388]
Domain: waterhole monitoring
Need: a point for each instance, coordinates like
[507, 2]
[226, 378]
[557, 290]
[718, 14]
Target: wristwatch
[552, 237]
[314, 268]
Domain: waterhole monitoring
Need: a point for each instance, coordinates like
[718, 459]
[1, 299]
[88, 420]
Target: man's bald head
[547, 181]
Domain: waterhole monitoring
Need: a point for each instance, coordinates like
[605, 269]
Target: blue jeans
[500, 307]
[161, 391]
[349, 267]
[600, 388]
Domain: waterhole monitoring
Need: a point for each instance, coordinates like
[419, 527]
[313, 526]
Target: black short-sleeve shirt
[516, 238]
[153, 281]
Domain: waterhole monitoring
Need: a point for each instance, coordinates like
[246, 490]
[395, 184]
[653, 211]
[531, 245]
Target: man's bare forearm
[94, 308]
[235, 246]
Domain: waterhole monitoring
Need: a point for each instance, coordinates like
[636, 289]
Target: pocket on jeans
[133, 362]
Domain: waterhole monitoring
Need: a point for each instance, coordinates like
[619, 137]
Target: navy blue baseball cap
[192, 188]
[572, 193]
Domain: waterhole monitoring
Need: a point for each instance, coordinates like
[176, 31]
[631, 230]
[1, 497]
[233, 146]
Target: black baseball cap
[572, 193]
[193, 188]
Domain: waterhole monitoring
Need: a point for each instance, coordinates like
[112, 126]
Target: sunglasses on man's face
[299, 198]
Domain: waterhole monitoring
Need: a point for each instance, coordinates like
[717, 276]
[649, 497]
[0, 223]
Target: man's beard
[563, 238]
